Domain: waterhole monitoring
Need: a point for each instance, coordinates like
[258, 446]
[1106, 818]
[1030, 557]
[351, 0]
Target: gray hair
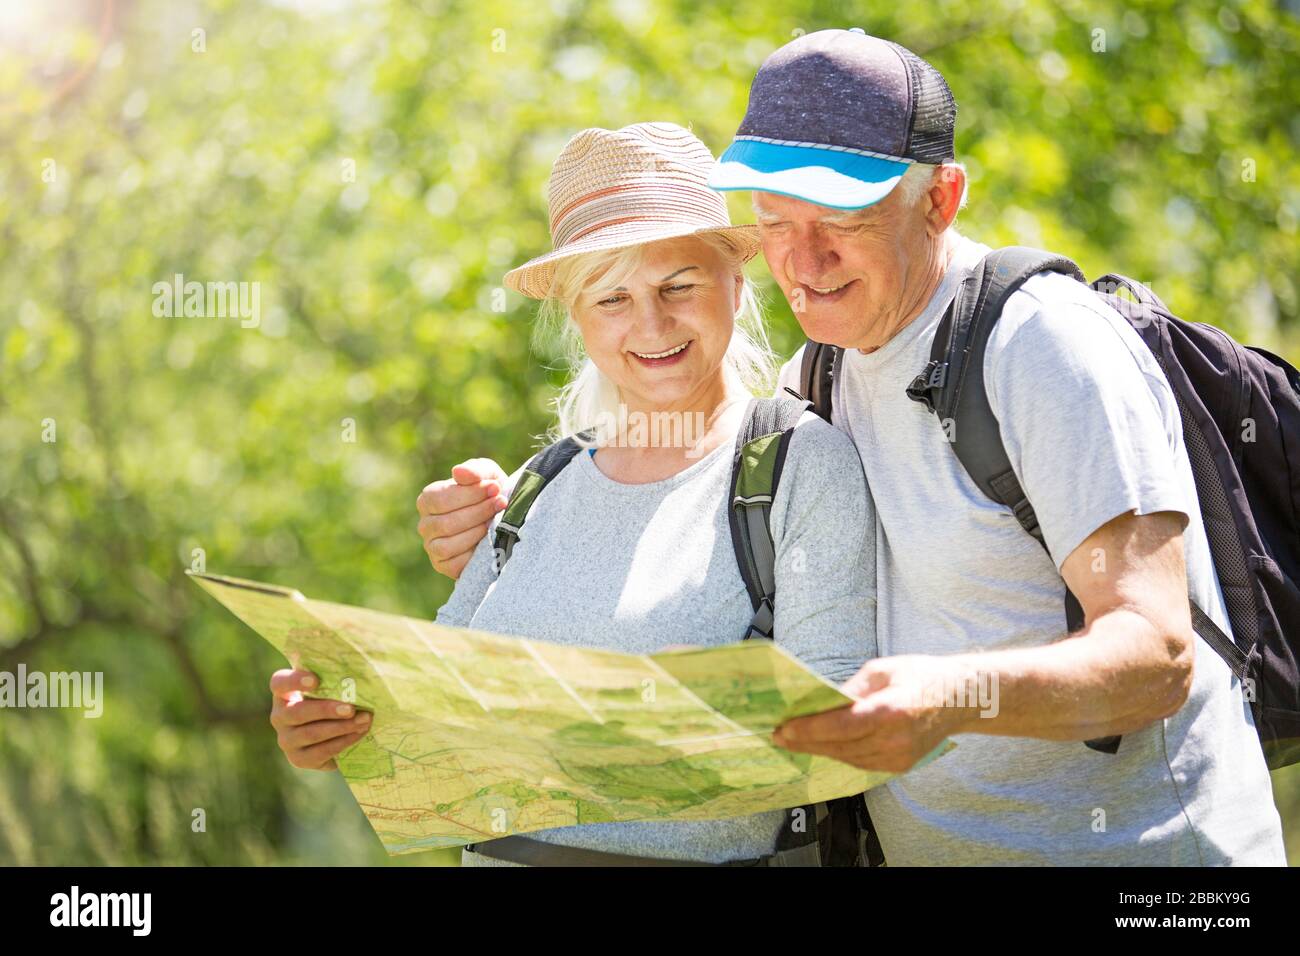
[921, 176]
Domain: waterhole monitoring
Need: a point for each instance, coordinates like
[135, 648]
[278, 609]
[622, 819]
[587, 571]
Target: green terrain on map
[477, 736]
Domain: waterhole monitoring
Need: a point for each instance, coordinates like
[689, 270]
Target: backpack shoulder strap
[952, 386]
[756, 469]
[817, 375]
[838, 832]
[537, 474]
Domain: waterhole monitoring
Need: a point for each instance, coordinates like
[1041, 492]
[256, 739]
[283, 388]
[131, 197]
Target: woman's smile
[670, 356]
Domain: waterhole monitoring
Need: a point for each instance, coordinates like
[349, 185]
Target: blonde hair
[590, 396]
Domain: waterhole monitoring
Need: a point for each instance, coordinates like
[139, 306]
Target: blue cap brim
[825, 177]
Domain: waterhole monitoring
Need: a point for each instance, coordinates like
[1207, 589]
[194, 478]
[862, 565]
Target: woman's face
[661, 335]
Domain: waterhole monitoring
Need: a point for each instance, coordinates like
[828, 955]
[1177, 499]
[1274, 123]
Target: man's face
[844, 272]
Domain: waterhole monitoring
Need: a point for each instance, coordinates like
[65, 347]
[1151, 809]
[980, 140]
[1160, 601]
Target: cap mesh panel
[934, 119]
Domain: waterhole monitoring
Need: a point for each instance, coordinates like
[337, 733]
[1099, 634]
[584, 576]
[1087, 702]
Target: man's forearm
[1115, 676]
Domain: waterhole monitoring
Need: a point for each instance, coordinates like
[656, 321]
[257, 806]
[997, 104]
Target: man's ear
[945, 198]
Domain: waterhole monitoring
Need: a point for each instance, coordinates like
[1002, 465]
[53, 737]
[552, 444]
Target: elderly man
[847, 146]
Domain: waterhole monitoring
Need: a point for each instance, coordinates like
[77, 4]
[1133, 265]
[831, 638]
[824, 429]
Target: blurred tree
[374, 168]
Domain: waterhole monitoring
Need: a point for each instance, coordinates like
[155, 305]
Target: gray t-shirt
[638, 567]
[1093, 432]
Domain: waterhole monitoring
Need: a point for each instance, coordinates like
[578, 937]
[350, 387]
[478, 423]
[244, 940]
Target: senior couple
[895, 576]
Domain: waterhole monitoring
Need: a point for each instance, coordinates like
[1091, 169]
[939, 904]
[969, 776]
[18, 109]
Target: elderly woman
[629, 545]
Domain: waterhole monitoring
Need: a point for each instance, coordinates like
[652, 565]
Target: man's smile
[825, 294]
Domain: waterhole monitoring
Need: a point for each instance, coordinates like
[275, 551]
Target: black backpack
[838, 832]
[1249, 498]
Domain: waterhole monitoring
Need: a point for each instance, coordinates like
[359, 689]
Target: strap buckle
[930, 381]
[507, 537]
[764, 622]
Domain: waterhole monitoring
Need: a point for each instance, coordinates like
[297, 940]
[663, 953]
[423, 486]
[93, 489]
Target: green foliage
[231, 163]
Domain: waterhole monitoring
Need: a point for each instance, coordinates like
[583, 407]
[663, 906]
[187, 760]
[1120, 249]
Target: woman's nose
[652, 318]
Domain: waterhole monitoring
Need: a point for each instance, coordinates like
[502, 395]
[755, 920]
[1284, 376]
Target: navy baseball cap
[835, 118]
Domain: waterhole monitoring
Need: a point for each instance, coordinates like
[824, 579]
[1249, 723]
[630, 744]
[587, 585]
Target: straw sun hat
[615, 188]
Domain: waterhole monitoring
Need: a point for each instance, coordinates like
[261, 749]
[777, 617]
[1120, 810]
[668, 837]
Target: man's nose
[811, 258]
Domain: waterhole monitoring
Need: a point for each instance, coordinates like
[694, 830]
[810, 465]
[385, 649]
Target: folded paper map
[477, 736]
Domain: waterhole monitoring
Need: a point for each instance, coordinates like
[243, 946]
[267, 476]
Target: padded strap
[952, 386]
[756, 469]
[963, 402]
[817, 374]
[537, 474]
[756, 473]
